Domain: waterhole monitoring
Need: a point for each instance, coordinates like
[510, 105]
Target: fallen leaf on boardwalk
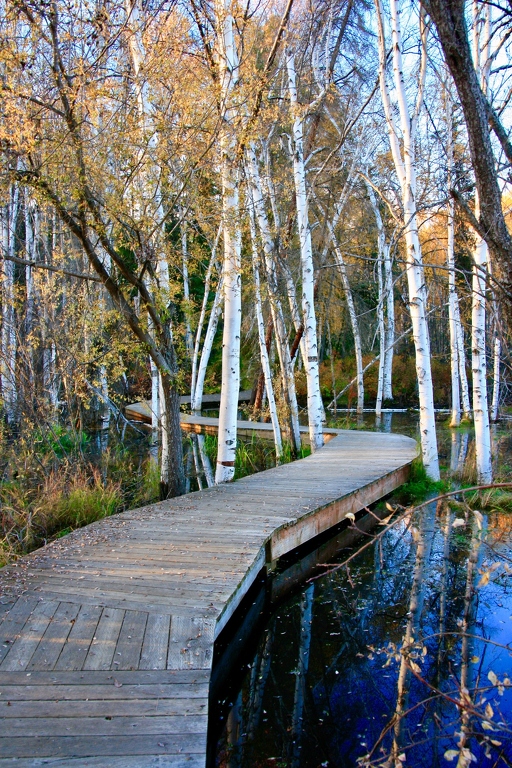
[117, 684]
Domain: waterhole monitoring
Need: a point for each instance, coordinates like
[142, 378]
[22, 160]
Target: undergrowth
[419, 486]
[253, 455]
[48, 487]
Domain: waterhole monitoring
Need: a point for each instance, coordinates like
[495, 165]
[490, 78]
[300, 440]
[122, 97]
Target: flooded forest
[302, 212]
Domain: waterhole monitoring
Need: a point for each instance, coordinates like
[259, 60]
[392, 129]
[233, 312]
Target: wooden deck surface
[106, 635]
[141, 411]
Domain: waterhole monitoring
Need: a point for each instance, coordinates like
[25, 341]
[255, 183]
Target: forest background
[291, 197]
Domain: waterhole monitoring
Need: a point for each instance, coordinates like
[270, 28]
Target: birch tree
[403, 151]
[481, 55]
[232, 278]
[315, 407]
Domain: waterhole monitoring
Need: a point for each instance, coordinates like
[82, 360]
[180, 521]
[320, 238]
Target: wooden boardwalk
[141, 411]
[107, 634]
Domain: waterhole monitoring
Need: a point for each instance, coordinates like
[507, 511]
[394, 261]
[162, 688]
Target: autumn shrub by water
[56, 481]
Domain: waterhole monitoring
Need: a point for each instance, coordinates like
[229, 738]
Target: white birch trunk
[385, 308]
[202, 316]
[464, 386]
[265, 363]
[294, 310]
[8, 357]
[30, 254]
[353, 319]
[389, 347]
[478, 313]
[211, 329]
[315, 407]
[228, 66]
[496, 380]
[382, 337]
[283, 351]
[205, 460]
[450, 262]
[189, 345]
[405, 168]
[479, 365]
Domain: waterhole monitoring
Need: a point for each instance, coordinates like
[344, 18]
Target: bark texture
[449, 19]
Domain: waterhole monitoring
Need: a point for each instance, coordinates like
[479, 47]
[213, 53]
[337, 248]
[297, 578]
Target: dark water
[401, 657]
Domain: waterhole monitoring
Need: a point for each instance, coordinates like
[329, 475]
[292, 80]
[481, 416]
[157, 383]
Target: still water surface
[401, 657]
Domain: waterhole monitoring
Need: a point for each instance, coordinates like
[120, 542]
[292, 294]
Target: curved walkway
[107, 634]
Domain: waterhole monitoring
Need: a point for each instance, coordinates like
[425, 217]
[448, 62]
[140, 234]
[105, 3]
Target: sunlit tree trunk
[385, 309]
[8, 356]
[230, 385]
[315, 407]
[265, 363]
[478, 314]
[50, 382]
[496, 380]
[406, 172]
[283, 351]
[209, 337]
[199, 330]
[381, 331]
[189, 344]
[450, 262]
[347, 290]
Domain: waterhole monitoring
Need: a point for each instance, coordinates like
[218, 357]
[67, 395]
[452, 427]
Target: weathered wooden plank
[156, 642]
[39, 678]
[126, 761]
[53, 640]
[129, 645]
[95, 693]
[143, 707]
[14, 623]
[22, 649]
[76, 746]
[191, 643]
[102, 726]
[103, 645]
[79, 639]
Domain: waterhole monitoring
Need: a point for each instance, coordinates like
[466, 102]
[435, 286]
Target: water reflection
[400, 658]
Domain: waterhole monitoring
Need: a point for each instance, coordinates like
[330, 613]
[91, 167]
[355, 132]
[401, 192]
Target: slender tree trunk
[478, 314]
[315, 407]
[479, 365]
[211, 330]
[405, 168]
[189, 344]
[496, 380]
[8, 357]
[265, 363]
[283, 351]
[385, 309]
[232, 278]
[199, 330]
[353, 319]
[450, 262]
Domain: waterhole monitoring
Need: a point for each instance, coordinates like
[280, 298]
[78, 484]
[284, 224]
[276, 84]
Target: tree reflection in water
[400, 658]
